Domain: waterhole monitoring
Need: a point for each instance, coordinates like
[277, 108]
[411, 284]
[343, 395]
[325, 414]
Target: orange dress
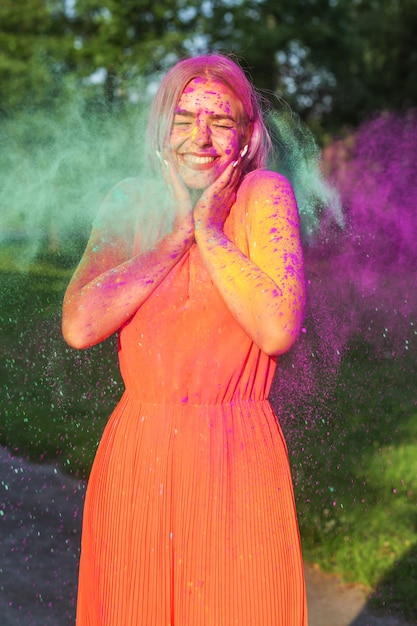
[189, 516]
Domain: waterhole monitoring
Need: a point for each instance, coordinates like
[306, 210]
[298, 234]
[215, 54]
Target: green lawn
[56, 400]
[355, 465]
[356, 479]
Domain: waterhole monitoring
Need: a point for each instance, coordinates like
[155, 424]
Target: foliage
[36, 49]
[333, 62]
[130, 38]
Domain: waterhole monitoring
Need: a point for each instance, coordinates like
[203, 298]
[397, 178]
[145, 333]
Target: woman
[189, 516]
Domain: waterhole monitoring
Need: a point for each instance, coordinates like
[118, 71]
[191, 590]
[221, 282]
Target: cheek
[231, 146]
[175, 141]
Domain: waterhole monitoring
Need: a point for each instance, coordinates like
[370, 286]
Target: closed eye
[183, 120]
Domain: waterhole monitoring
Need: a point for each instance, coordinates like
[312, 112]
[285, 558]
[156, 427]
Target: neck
[195, 195]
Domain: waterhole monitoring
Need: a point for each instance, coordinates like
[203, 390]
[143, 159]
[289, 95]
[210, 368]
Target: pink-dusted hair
[215, 67]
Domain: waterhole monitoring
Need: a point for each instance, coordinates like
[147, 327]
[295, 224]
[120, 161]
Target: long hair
[215, 67]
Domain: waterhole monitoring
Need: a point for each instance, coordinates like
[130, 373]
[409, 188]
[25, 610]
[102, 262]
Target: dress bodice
[183, 344]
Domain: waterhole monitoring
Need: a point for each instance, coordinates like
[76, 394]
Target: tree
[36, 49]
[130, 39]
[334, 61]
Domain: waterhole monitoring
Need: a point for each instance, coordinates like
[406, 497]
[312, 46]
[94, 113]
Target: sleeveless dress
[189, 517]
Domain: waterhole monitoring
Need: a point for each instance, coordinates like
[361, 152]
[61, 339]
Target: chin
[199, 180]
[198, 186]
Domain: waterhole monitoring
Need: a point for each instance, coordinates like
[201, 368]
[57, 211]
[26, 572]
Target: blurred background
[76, 79]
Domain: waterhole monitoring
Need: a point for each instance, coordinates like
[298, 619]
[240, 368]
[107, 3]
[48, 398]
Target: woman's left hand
[263, 286]
[215, 203]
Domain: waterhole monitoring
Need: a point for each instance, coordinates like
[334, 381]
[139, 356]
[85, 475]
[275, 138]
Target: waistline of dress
[234, 402]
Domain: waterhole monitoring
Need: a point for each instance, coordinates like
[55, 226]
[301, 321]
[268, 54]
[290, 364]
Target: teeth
[199, 160]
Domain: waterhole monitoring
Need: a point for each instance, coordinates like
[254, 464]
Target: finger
[228, 177]
[231, 176]
[171, 174]
[176, 186]
[164, 169]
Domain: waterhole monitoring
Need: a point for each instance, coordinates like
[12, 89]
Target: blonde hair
[216, 67]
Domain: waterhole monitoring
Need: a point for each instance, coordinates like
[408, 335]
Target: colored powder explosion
[377, 259]
[361, 276]
[56, 168]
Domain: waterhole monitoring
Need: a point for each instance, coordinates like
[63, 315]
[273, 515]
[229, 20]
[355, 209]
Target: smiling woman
[206, 133]
[189, 515]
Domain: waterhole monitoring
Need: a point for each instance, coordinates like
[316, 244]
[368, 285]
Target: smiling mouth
[192, 159]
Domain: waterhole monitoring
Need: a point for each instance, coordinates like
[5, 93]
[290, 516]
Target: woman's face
[206, 133]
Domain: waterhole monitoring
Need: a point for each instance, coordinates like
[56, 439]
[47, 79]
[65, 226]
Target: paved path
[331, 603]
[40, 522]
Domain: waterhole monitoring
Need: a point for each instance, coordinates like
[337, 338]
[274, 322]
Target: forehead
[209, 96]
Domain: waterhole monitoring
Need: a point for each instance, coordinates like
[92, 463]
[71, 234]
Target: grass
[56, 400]
[355, 465]
[356, 479]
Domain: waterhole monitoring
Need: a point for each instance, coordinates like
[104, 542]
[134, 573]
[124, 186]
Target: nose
[201, 134]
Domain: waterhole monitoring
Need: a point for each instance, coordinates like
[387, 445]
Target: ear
[247, 132]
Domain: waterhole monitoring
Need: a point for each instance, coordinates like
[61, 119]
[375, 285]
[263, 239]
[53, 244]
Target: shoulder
[119, 205]
[124, 192]
[264, 185]
[266, 193]
[269, 205]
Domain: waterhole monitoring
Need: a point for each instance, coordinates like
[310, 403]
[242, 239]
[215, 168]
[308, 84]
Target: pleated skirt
[189, 520]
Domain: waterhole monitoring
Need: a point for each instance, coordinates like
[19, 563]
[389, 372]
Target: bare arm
[265, 291]
[110, 284]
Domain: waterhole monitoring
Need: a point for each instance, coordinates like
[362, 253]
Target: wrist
[182, 235]
[209, 234]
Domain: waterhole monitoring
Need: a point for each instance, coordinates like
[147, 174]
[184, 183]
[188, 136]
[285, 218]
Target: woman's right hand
[111, 283]
[179, 193]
